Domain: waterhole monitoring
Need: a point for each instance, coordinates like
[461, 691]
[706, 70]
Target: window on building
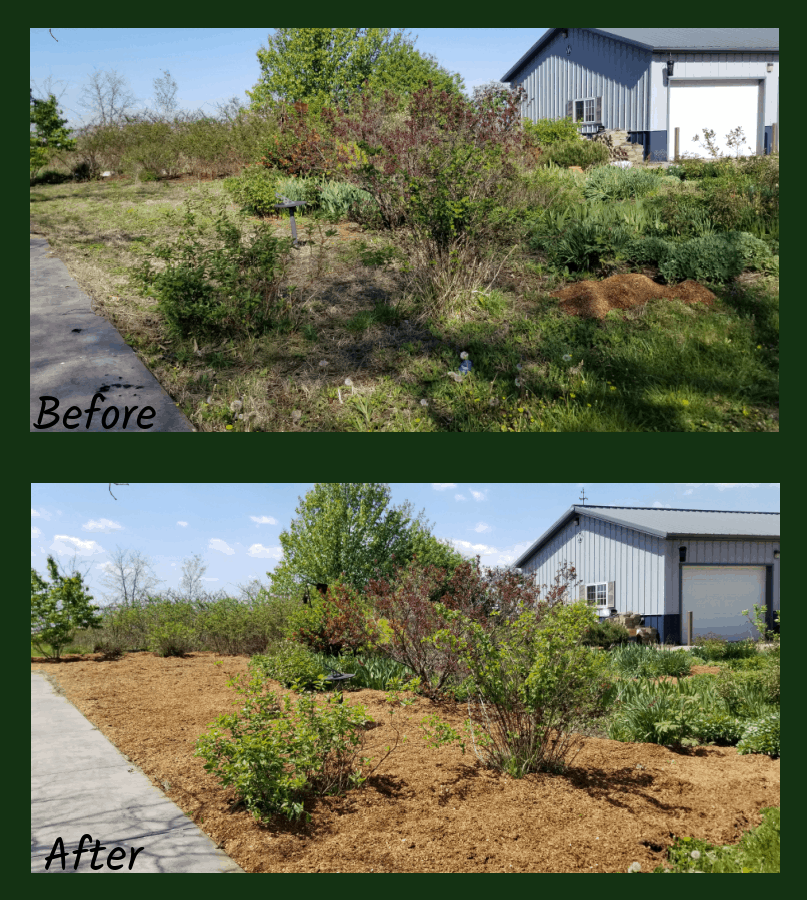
[584, 110]
[597, 594]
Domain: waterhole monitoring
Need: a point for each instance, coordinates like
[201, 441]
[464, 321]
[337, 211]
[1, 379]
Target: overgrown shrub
[229, 289]
[761, 736]
[230, 627]
[647, 661]
[747, 694]
[585, 154]
[643, 250]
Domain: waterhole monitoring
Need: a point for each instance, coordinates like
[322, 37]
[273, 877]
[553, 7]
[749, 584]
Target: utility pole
[583, 496]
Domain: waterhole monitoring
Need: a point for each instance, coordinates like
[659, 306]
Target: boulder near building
[665, 563]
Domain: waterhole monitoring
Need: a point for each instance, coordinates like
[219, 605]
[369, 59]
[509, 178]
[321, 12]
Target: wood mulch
[424, 810]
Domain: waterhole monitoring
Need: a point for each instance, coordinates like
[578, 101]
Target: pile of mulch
[594, 299]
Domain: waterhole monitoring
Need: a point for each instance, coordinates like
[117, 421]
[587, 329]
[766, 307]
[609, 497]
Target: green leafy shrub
[616, 183]
[291, 665]
[585, 154]
[647, 661]
[207, 291]
[643, 250]
[747, 694]
[715, 258]
[172, 631]
[761, 736]
[230, 627]
[278, 755]
[606, 635]
[755, 253]
[535, 687]
[255, 187]
[653, 713]
[683, 215]
[717, 727]
[583, 246]
[552, 131]
[338, 198]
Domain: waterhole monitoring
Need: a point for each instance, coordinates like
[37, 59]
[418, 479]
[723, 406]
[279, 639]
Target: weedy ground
[353, 354]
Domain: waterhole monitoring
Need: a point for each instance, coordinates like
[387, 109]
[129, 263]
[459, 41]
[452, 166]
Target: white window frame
[592, 110]
[597, 585]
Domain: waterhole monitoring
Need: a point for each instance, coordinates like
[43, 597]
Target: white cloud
[442, 487]
[481, 526]
[720, 486]
[209, 579]
[182, 524]
[221, 546]
[459, 497]
[774, 485]
[469, 549]
[265, 552]
[104, 525]
[659, 505]
[263, 520]
[63, 543]
[687, 493]
[35, 533]
[479, 495]
[40, 513]
[33, 554]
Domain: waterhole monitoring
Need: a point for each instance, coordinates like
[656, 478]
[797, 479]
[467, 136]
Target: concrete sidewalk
[76, 355]
[83, 789]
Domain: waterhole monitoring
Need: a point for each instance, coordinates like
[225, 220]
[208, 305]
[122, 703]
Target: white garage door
[721, 108]
[717, 596]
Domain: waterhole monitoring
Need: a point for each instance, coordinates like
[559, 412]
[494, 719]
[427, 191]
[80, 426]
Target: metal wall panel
[601, 552]
[596, 67]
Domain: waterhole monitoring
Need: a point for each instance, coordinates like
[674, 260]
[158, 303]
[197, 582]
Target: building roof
[670, 523]
[679, 39]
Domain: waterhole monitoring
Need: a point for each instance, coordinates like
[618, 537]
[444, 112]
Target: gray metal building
[662, 563]
[648, 81]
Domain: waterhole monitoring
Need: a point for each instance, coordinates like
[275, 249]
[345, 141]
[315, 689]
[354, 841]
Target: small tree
[58, 609]
[49, 135]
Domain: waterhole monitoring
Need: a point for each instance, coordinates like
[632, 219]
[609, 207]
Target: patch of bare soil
[425, 810]
[595, 299]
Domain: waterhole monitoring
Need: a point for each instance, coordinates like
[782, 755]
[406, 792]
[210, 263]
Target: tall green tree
[49, 134]
[326, 65]
[350, 532]
[58, 609]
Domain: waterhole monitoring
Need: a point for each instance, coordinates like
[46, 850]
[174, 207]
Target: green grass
[758, 851]
[664, 367]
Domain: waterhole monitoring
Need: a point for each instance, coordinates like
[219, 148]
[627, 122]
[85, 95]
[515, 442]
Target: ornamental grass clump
[535, 688]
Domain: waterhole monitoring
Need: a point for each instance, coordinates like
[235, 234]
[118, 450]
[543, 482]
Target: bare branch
[51, 34]
[116, 483]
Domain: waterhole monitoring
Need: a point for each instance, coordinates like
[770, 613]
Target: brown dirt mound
[596, 298]
[425, 810]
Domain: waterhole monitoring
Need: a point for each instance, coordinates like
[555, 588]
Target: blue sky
[235, 527]
[211, 65]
